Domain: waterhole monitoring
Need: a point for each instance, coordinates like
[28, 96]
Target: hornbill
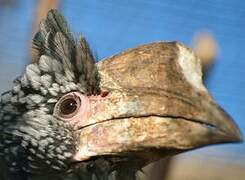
[67, 117]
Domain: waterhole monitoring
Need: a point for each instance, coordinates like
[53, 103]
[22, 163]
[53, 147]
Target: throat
[115, 168]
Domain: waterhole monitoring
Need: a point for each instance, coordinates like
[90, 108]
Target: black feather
[55, 39]
[30, 135]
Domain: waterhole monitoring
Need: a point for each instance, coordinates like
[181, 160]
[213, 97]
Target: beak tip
[240, 138]
[237, 136]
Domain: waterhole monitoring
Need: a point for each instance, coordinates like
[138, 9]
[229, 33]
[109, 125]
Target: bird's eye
[68, 106]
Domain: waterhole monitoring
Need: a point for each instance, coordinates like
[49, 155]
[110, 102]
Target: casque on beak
[157, 104]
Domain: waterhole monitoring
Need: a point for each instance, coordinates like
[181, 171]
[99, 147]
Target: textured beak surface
[157, 105]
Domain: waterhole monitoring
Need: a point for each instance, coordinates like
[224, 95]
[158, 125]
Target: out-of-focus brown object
[43, 6]
[209, 165]
[7, 3]
[205, 46]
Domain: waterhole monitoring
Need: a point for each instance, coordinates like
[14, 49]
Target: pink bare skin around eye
[81, 118]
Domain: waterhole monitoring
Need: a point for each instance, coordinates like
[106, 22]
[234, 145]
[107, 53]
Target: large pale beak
[156, 106]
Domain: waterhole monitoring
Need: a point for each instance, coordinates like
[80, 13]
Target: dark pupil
[68, 106]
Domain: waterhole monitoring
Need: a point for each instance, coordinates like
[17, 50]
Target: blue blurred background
[112, 26]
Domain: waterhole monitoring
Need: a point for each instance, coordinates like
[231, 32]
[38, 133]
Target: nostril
[104, 93]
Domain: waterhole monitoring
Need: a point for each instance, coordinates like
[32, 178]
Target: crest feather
[54, 39]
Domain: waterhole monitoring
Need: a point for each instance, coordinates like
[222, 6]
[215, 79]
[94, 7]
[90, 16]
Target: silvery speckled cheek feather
[69, 118]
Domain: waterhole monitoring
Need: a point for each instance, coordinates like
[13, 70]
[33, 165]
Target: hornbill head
[66, 112]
